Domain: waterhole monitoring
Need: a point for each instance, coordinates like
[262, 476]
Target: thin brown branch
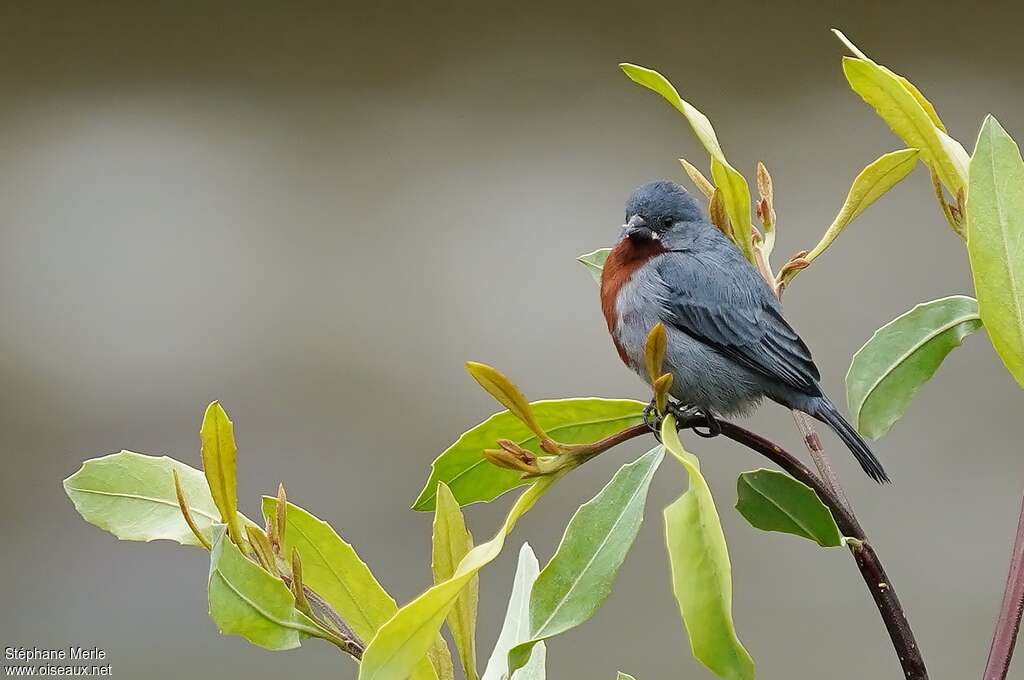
[821, 460]
[588, 451]
[1008, 624]
[882, 591]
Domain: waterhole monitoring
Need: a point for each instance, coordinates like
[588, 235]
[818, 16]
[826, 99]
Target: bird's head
[659, 208]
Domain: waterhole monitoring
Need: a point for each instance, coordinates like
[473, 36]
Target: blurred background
[315, 212]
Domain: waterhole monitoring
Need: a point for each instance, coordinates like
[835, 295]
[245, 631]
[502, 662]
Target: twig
[821, 461]
[1008, 623]
[878, 583]
[612, 441]
[864, 554]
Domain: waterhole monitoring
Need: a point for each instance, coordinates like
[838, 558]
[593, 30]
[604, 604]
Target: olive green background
[316, 212]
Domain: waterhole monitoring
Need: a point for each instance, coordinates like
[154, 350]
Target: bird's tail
[827, 413]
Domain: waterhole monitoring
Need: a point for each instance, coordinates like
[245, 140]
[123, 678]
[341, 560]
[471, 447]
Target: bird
[728, 344]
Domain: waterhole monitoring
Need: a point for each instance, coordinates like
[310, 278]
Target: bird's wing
[722, 301]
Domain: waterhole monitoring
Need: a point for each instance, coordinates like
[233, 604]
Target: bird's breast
[617, 278]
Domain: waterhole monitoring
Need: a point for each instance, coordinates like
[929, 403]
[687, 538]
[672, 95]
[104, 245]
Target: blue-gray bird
[728, 343]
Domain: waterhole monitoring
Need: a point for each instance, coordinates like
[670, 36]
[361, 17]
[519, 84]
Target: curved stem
[1008, 623]
[864, 555]
[871, 570]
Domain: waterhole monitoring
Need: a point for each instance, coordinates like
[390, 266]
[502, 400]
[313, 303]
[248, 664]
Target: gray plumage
[729, 345]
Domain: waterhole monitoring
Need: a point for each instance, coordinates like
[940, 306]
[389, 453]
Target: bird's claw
[683, 412]
[652, 419]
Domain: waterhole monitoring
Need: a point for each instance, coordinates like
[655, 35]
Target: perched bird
[728, 343]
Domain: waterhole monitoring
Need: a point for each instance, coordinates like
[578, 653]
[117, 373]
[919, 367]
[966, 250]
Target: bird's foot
[652, 419]
[684, 412]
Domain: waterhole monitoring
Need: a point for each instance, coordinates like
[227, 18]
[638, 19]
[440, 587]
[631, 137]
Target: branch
[878, 583]
[1008, 623]
[864, 554]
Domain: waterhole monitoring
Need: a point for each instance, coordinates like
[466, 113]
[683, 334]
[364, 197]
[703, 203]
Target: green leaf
[995, 241]
[902, 110]
[872, 182]
[595, 262]
[572, 421]
[333, 569]
[451, 542]
[220, 466]
[131, 495]
[701, 573]
[516, 627]
[903, 355]
[731, 183]
[506, 393]
[246, 600]
[624, 676]
[440, 657]
[774, 501]
[925, 104]
[579, 577]
[405, 638]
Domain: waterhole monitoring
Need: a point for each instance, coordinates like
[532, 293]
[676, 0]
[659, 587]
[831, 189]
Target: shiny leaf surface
[995, 241]
[901, 356]
[472, 478]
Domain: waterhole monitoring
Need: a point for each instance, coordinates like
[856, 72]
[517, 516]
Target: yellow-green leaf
[654, 350]
[578, 579]
[901, 356]
[246, 600]
[472, 478]
[220, 466]
[734, 188]
[506, 393]
[872, 182]
[701, 572]
[594, 262]
[697, 177]
[928, 107]
[995, 241]
[132, 496]
[902, 111]
[332, 568]
[451, 542]
[440, 657]
[407, 636]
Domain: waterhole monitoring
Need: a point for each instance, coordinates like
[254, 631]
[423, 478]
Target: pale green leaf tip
[848, 43]
[633, 71]
[990, 121]
[215, 410]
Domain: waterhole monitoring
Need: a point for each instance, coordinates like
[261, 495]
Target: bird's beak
[636, 229]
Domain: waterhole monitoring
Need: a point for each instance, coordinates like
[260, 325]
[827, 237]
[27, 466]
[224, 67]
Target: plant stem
[821, 461]
[1008, 623]
[588, 451]
[864, 555]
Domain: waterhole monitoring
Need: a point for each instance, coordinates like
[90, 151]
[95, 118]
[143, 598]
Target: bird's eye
[667, 221]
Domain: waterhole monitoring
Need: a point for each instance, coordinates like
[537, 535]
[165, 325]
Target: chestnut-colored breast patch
[622, 262]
